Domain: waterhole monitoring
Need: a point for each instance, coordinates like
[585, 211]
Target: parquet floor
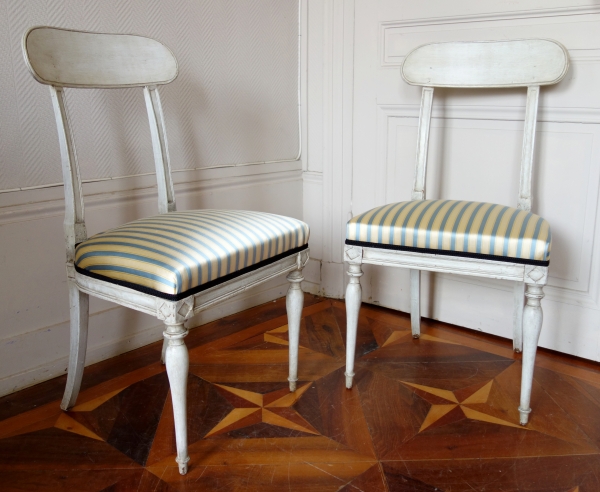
[439, 413]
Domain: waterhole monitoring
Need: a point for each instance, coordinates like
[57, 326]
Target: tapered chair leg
[519, 305]
[177, 362]
[79, 312]
[353, 301]
[164, 350]
[294, 301]
[415, 303]
[532, 326]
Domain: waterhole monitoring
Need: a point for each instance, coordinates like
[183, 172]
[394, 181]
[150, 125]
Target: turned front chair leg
[294, 302]
[353, 301]
[79, 312]
[519, 303]
[415, 303]
[177, 362]
[532, 326]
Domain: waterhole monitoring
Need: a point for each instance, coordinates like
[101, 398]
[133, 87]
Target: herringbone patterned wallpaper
[235, 100]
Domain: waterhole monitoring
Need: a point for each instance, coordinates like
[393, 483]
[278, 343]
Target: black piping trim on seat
[195, 290]
[463, 254]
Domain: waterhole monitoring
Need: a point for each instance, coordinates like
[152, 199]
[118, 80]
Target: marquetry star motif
[277, 335]
[448, 408]
[274, 408]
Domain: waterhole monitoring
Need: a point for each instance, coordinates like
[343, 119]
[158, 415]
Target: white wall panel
[235, 100]
[474, 153]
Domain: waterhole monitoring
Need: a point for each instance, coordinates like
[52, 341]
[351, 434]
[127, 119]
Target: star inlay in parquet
[274, 408]
[437, 413]
[447, 407]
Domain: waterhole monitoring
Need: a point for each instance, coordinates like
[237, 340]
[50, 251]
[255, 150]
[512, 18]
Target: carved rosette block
[173, 312]
[353, 254]
[536, 274]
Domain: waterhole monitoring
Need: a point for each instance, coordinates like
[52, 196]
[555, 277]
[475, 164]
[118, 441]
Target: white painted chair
[172, 265]
[467, 238]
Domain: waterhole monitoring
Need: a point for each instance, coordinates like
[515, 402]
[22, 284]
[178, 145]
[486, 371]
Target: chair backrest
[67, 58]
[489, 64]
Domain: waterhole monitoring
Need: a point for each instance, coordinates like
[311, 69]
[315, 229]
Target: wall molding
[495, 113]
[312, 177]
[581, 13]
[44, 207]
[494, 16]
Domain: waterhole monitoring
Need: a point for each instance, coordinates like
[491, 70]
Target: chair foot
[183, 465]
[292, 384]
[349, 379]
[524, 415]
[416, 336]
[517, 351]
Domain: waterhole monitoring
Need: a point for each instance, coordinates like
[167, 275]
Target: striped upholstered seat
[459, 228]
[180, 253]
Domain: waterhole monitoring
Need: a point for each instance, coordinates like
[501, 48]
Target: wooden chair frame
[492, 64]
[67, 58]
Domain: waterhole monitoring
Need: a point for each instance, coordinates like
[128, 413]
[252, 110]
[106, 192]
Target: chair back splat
[490, 64]
[66, 58]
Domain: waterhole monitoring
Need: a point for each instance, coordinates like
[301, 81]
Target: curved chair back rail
[517, 63]
[67, 58]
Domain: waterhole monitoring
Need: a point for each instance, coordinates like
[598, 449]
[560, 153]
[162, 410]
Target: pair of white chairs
[177, 264]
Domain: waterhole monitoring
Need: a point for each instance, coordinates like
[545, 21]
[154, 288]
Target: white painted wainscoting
[362, 121]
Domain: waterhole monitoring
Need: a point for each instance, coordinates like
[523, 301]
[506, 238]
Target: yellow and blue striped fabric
[172, 254]
[453, 227]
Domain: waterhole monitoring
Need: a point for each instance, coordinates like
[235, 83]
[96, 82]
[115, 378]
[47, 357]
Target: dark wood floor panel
[434, 414]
